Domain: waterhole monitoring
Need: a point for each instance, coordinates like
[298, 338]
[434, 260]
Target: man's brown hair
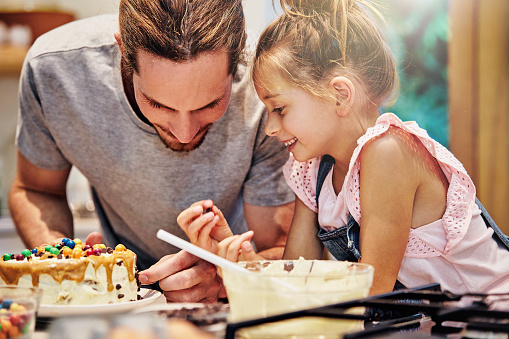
[180, 30]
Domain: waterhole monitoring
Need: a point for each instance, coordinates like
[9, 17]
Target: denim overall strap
[500, 236]
[342, 243]
[326, 165]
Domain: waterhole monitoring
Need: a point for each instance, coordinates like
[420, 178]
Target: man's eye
[213, 104]
[154, 104]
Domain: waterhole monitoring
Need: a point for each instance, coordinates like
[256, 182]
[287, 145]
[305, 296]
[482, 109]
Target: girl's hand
[238, 248]
[204, 224]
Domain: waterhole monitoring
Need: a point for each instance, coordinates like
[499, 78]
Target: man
[156, 116]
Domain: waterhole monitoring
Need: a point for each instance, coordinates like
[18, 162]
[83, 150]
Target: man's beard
[176, 146]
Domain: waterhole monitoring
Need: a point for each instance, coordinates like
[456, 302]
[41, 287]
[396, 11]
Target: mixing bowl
[261, 292]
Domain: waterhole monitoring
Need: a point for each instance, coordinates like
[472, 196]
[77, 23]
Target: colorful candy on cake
[72, 273]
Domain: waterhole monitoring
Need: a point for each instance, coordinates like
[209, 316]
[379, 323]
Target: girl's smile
[299, 120]
[290, 142]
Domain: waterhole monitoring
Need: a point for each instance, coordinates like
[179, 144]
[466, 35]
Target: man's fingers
[185, 279]
[199, 283]
[94, 238]
[167, 267]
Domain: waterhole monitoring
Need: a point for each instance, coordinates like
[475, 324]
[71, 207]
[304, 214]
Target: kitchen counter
[141, 323]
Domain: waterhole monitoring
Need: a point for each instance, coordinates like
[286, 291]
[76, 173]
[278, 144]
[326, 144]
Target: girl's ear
[119, 42]
[344, 91]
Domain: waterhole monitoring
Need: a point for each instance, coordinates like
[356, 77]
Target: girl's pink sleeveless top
[457, 251]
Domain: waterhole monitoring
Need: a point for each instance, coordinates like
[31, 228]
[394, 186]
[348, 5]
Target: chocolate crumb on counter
[200, 316]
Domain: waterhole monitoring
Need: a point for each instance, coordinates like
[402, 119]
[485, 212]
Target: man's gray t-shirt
[74, 112]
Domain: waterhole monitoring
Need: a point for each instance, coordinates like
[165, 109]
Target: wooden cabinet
[11, 59]
[479, 99]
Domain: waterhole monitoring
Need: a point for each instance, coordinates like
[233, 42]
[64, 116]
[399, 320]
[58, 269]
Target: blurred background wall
[453, 62]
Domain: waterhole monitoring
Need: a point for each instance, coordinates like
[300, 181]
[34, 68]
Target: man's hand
[94, 238]
[185, 278]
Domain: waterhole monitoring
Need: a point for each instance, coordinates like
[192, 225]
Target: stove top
[425, 312]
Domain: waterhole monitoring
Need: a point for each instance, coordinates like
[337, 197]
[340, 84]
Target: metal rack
[406, 310]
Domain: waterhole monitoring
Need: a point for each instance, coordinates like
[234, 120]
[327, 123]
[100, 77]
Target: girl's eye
[278, 110]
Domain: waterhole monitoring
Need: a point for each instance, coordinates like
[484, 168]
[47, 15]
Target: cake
[71, 273]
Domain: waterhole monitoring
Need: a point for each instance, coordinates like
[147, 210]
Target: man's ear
[343, 90]
[119, 42]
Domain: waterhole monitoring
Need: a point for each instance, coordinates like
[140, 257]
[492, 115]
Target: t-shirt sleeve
[301, 177]
[265, 184]
[33, 135]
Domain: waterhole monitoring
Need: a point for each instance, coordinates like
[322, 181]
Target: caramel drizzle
[67, 269]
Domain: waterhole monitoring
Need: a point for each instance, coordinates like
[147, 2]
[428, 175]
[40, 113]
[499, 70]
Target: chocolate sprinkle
[120, 296]
[289, 266]
[118, 286]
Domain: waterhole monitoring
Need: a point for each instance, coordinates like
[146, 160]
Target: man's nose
[185, 127]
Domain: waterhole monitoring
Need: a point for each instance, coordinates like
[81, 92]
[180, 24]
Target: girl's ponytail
[337, 10]
[315, 40]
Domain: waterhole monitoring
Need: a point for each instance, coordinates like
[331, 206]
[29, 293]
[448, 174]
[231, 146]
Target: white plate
[149, 296]
[168, 307]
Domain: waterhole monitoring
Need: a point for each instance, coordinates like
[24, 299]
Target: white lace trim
[301, 176]
[460, 195]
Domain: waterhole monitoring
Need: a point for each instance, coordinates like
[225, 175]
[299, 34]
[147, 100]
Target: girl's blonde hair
[315, 40]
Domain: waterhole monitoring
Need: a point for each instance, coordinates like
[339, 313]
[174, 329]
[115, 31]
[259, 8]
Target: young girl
[369, 187]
